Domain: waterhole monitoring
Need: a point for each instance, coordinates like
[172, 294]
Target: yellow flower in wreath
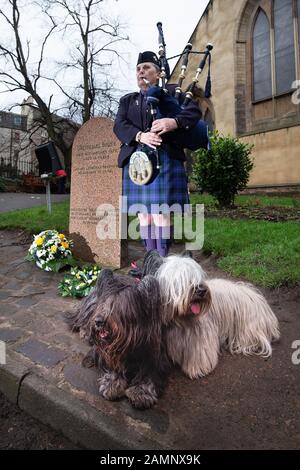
[54, 248]
[65, 245]
[61, 236]
[39, 241]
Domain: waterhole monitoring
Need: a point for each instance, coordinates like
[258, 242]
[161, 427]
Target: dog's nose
[99, 323]
[201, 291]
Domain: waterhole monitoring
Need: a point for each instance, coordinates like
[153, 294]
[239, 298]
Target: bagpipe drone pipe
[163, 104]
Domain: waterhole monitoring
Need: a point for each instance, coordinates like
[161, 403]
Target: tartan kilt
[169, 186]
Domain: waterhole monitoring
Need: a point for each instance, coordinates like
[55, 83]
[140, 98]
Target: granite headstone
[96, 187]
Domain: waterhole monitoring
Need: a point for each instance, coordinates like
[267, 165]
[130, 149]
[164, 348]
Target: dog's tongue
[196, 308]
[103, 333]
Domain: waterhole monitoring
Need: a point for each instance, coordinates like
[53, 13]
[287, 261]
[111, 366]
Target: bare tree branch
[93, 45]
[16, 76]
[42, 51]
[84, 16]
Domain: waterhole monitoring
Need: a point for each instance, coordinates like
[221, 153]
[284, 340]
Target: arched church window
[262, 75]
[284, 45]
[267, 65]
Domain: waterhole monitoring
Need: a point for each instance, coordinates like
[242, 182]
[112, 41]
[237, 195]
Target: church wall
[276, 152]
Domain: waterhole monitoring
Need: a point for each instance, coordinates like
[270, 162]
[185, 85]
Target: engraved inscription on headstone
[95, 193]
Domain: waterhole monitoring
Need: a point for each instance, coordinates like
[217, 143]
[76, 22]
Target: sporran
[141, 168]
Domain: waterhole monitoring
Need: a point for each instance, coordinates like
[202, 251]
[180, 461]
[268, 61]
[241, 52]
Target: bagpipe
[165, 70]
[171, 106]
[163, 104]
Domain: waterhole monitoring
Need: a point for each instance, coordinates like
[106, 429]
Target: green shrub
[223, 170]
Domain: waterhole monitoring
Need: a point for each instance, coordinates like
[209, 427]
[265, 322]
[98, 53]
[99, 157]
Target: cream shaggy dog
[203, 316]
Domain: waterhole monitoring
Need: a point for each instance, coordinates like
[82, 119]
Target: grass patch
[266, 265]
[249, 201]
[265, 253]
[37, 219]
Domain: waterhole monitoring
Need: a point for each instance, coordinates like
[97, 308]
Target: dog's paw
[112, 387]
[142, 396]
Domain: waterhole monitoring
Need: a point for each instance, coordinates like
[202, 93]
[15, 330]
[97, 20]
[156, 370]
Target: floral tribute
[51, 251]
[80, 281]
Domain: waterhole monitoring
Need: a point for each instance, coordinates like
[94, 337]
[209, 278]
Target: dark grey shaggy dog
[120, 319]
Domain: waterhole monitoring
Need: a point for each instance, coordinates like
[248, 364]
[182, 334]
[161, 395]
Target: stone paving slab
[246, 403]
[41, 353]
[10, 335]
[82, 378]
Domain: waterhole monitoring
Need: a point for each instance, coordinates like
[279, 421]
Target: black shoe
[136, 272]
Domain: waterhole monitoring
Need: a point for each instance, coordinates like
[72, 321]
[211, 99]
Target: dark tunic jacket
[129, 122]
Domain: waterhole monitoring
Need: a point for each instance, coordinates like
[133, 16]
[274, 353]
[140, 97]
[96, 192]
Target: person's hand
[160, 126]
[151, 139]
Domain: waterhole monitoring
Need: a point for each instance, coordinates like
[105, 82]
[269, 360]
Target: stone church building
[255, 68]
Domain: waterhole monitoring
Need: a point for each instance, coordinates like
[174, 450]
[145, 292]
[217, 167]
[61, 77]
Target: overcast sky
[179, 20]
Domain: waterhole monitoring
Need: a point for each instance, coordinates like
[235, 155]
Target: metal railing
[18, 169]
